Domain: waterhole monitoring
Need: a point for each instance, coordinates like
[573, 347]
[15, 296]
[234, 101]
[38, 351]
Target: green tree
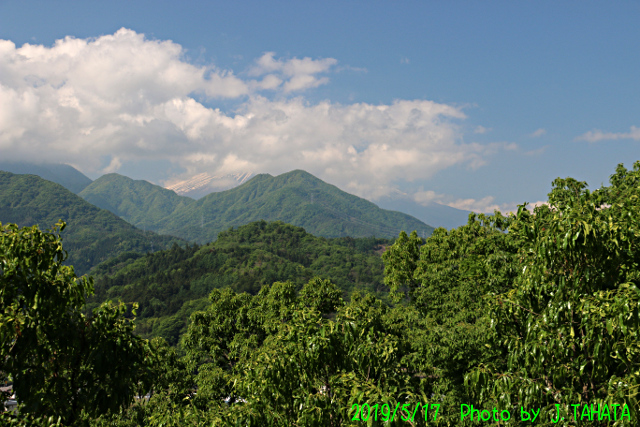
[441, 283]
[400, 261]
[283, 358]
[571, 323]
[62, 362]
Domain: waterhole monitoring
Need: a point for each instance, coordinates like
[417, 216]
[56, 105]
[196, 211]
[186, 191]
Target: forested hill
[171, 284]
[138, 202]
[92, 234]
[296, 197]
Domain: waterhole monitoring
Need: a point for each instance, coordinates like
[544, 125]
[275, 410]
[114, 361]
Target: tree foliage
[445, 279]
[62, 362]
[571, 322]
[287, 359]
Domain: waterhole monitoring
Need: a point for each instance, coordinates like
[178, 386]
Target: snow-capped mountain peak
[205, 183]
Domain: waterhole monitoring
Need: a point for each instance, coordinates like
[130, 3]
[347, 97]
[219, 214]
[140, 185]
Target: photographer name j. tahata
[580, 412]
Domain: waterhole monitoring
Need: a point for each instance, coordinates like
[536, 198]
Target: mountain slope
[136, 201]
[65, 175]
[92, 234]
[297, 198]
[434, 214]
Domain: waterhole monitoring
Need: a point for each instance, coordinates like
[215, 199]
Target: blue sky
[472, 104]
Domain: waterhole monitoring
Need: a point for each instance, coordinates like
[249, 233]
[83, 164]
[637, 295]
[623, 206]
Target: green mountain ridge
[296, 197]
[434, 214]
[92, 235]
[138, 202]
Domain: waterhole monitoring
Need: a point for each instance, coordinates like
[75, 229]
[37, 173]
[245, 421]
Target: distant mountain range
[296, 197]
[138, 202]
[161, 204]
[65, 175]
[92, 235]
[204, 183]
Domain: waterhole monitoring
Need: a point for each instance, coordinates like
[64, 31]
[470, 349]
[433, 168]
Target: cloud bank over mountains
[102, 102]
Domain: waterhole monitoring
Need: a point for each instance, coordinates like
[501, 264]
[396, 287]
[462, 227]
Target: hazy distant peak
[432, 213]
[63, 174]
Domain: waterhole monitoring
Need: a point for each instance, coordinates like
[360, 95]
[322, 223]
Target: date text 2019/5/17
[388, 412]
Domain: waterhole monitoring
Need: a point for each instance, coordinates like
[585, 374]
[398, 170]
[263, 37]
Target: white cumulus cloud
[103, 102]
[297, 74]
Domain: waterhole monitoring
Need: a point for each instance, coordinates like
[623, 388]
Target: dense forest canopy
[535, 311]
[170, 285]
